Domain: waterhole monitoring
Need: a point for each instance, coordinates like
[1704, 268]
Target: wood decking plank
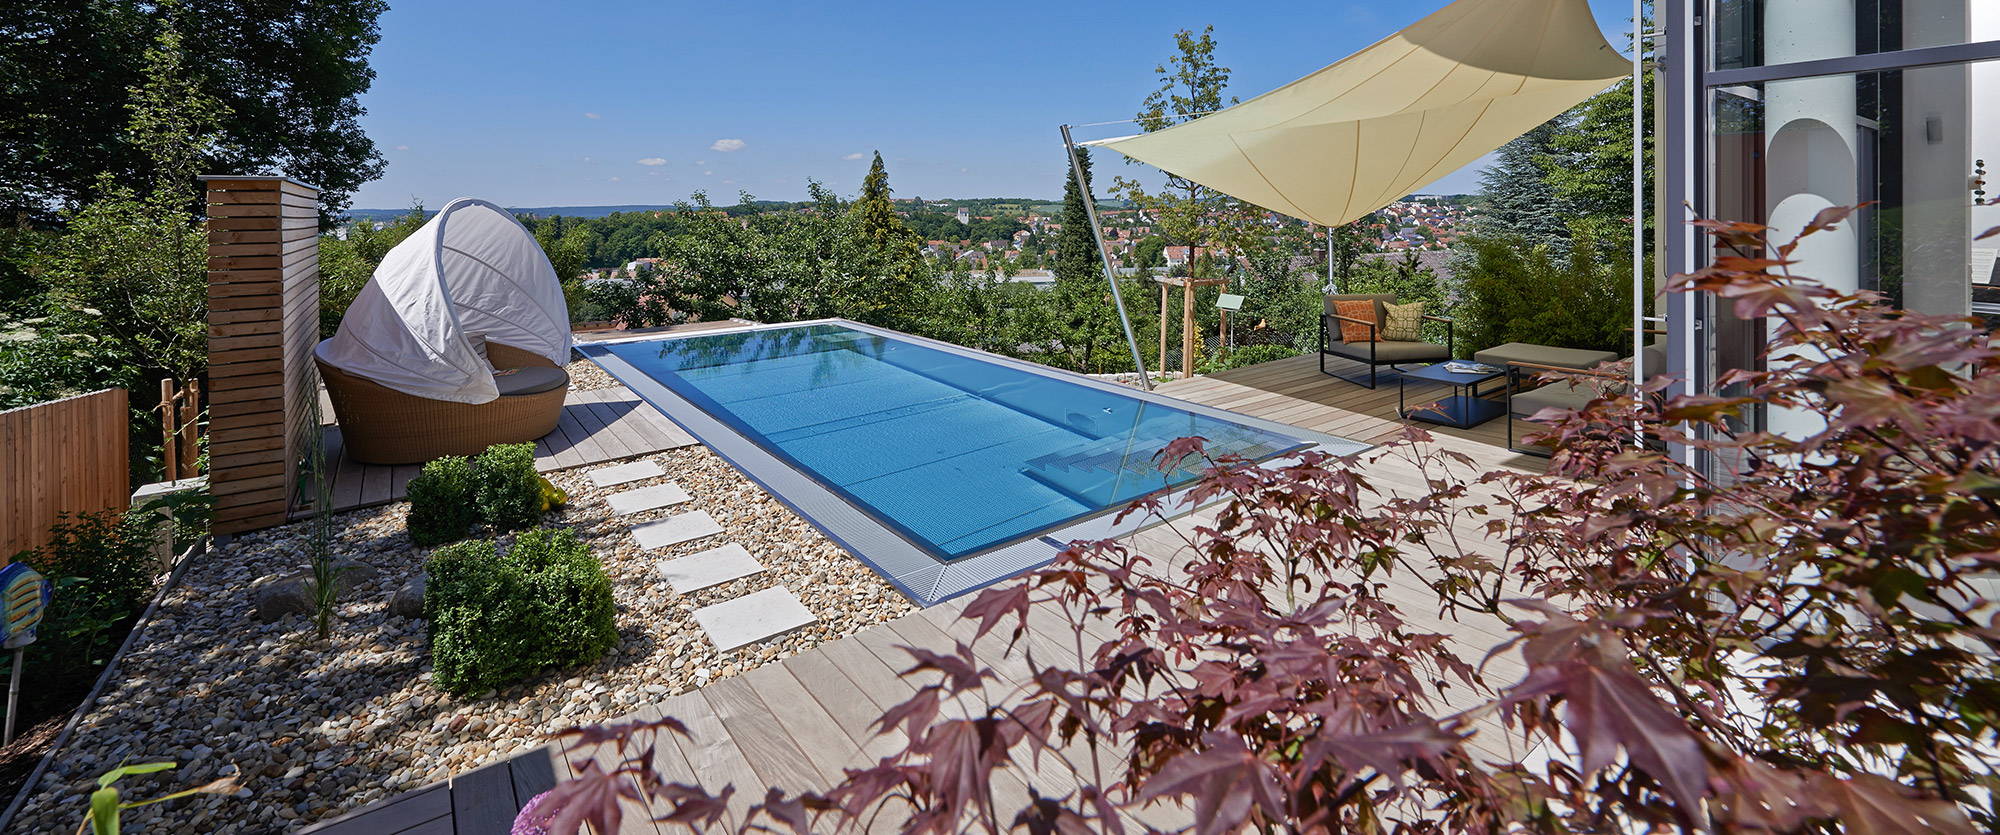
[810, 726]
[771, 752]
[482, 800]
[392, 815]
[713, 755]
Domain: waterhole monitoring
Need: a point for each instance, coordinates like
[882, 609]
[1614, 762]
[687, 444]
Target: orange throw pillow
[1363, 309]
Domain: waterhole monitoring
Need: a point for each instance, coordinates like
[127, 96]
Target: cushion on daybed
[533, 379]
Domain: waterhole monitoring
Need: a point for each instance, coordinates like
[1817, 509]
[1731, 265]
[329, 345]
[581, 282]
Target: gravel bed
[585, 375]
[313, 730]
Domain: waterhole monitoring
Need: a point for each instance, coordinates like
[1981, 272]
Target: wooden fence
[65, 456]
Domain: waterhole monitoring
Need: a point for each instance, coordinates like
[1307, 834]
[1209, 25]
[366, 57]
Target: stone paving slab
[676, 529]
[607, 476]
[646, 498]
[707, 568]
[754, 617]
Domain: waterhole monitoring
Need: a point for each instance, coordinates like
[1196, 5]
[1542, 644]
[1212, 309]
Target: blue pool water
[957, 453]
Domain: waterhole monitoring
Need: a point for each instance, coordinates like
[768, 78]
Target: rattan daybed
[380, 425]
[456, 343]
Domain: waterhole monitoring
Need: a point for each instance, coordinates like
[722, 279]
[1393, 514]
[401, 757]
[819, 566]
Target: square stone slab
[676, 529]
[707, 568]
[607, 476]
[647, 498]
[753, 617]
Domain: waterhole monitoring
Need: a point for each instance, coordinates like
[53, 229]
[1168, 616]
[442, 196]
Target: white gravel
[316, 730]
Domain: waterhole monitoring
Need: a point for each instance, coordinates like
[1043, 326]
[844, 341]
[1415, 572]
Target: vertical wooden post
[1187, 327]
[1163, 328]
[263, 321]
[170, 431]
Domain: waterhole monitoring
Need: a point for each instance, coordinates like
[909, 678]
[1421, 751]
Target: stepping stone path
[647, 498]
[754, 617]
[607, 476]
[731, 624]
[715, 565]
[676, 529]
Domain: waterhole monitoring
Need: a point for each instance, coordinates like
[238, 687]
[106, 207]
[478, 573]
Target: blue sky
[603, 102]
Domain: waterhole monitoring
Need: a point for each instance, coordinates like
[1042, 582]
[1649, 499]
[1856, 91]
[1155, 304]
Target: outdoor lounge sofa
[1572, 389]
[1374, 352]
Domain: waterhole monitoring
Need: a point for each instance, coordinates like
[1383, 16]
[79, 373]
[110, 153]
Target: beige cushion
[1403, 322]
[1500, 355]
[1559, 394]
[1390, 352]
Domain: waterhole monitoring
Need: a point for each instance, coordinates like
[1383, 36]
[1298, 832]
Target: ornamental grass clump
[498, 619]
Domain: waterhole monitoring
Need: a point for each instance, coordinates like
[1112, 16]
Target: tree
[1592, 174]
[1188, 213]
[1512, 292]
[288, 78]
[889, 282]
[1519, 200]
[132, 268]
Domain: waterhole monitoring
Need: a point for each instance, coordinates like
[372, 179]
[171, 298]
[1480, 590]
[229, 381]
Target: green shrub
[441, 502]
[510, 491]
[496, 620]
[103, 568]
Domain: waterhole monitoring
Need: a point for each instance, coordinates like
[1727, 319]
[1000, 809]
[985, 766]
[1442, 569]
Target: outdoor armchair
[1374, 351]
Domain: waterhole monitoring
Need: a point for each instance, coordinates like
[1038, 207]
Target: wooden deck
[597, 425]
[1294, 391]
[798, 721]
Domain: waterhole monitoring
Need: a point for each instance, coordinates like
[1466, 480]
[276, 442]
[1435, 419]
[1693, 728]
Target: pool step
[647, 498]
[753, 618]
[714, 566]
[676, 529]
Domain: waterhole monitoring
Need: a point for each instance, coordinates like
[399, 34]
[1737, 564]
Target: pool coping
[910, 568]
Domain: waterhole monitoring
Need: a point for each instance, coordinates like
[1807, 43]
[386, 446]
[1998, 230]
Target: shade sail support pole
[1104, 257]
[1638, 196]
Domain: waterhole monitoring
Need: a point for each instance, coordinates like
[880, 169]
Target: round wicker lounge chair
[380, 425]
[455, 344]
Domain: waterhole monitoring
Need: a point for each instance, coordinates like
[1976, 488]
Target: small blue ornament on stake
[24, 596]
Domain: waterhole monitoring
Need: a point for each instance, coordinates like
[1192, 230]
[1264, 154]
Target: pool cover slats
[957, 453]
[943, 469]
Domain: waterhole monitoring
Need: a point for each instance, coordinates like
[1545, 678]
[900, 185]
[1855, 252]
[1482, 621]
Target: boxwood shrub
[497, 619]
[510, 491]
[441, 502]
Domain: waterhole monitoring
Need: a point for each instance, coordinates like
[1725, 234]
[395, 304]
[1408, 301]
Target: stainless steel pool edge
[913, 571]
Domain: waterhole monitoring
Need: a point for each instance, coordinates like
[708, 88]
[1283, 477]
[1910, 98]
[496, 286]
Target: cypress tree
[1076, 249]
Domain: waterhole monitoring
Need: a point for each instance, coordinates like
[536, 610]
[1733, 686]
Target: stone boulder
[273, 599]
[408, 601]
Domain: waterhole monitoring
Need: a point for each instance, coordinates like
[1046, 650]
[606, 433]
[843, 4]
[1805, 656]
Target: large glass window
[1910, 142]
[1756, 33]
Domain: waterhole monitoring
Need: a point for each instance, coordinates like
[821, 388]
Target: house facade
[1772, 110]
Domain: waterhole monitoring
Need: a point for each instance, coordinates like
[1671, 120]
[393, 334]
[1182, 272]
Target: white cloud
[617, 180]
[653, 161]
[727, 145]
[592, 116]
[402, 147]
[855, 155]
[708, 173]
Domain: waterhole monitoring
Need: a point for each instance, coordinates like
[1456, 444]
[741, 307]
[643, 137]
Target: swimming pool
[958, 453]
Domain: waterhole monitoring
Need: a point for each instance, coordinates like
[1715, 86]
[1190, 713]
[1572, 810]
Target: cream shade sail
[1360, 134]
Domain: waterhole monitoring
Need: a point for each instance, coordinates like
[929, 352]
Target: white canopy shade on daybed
[471, 275]
[1375, 126]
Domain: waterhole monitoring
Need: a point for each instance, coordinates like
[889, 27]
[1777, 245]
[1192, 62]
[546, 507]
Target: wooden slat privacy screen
[66, 456]
[263, 320]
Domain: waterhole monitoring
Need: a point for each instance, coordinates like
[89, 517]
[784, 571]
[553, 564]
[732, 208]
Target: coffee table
[1464, 409]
